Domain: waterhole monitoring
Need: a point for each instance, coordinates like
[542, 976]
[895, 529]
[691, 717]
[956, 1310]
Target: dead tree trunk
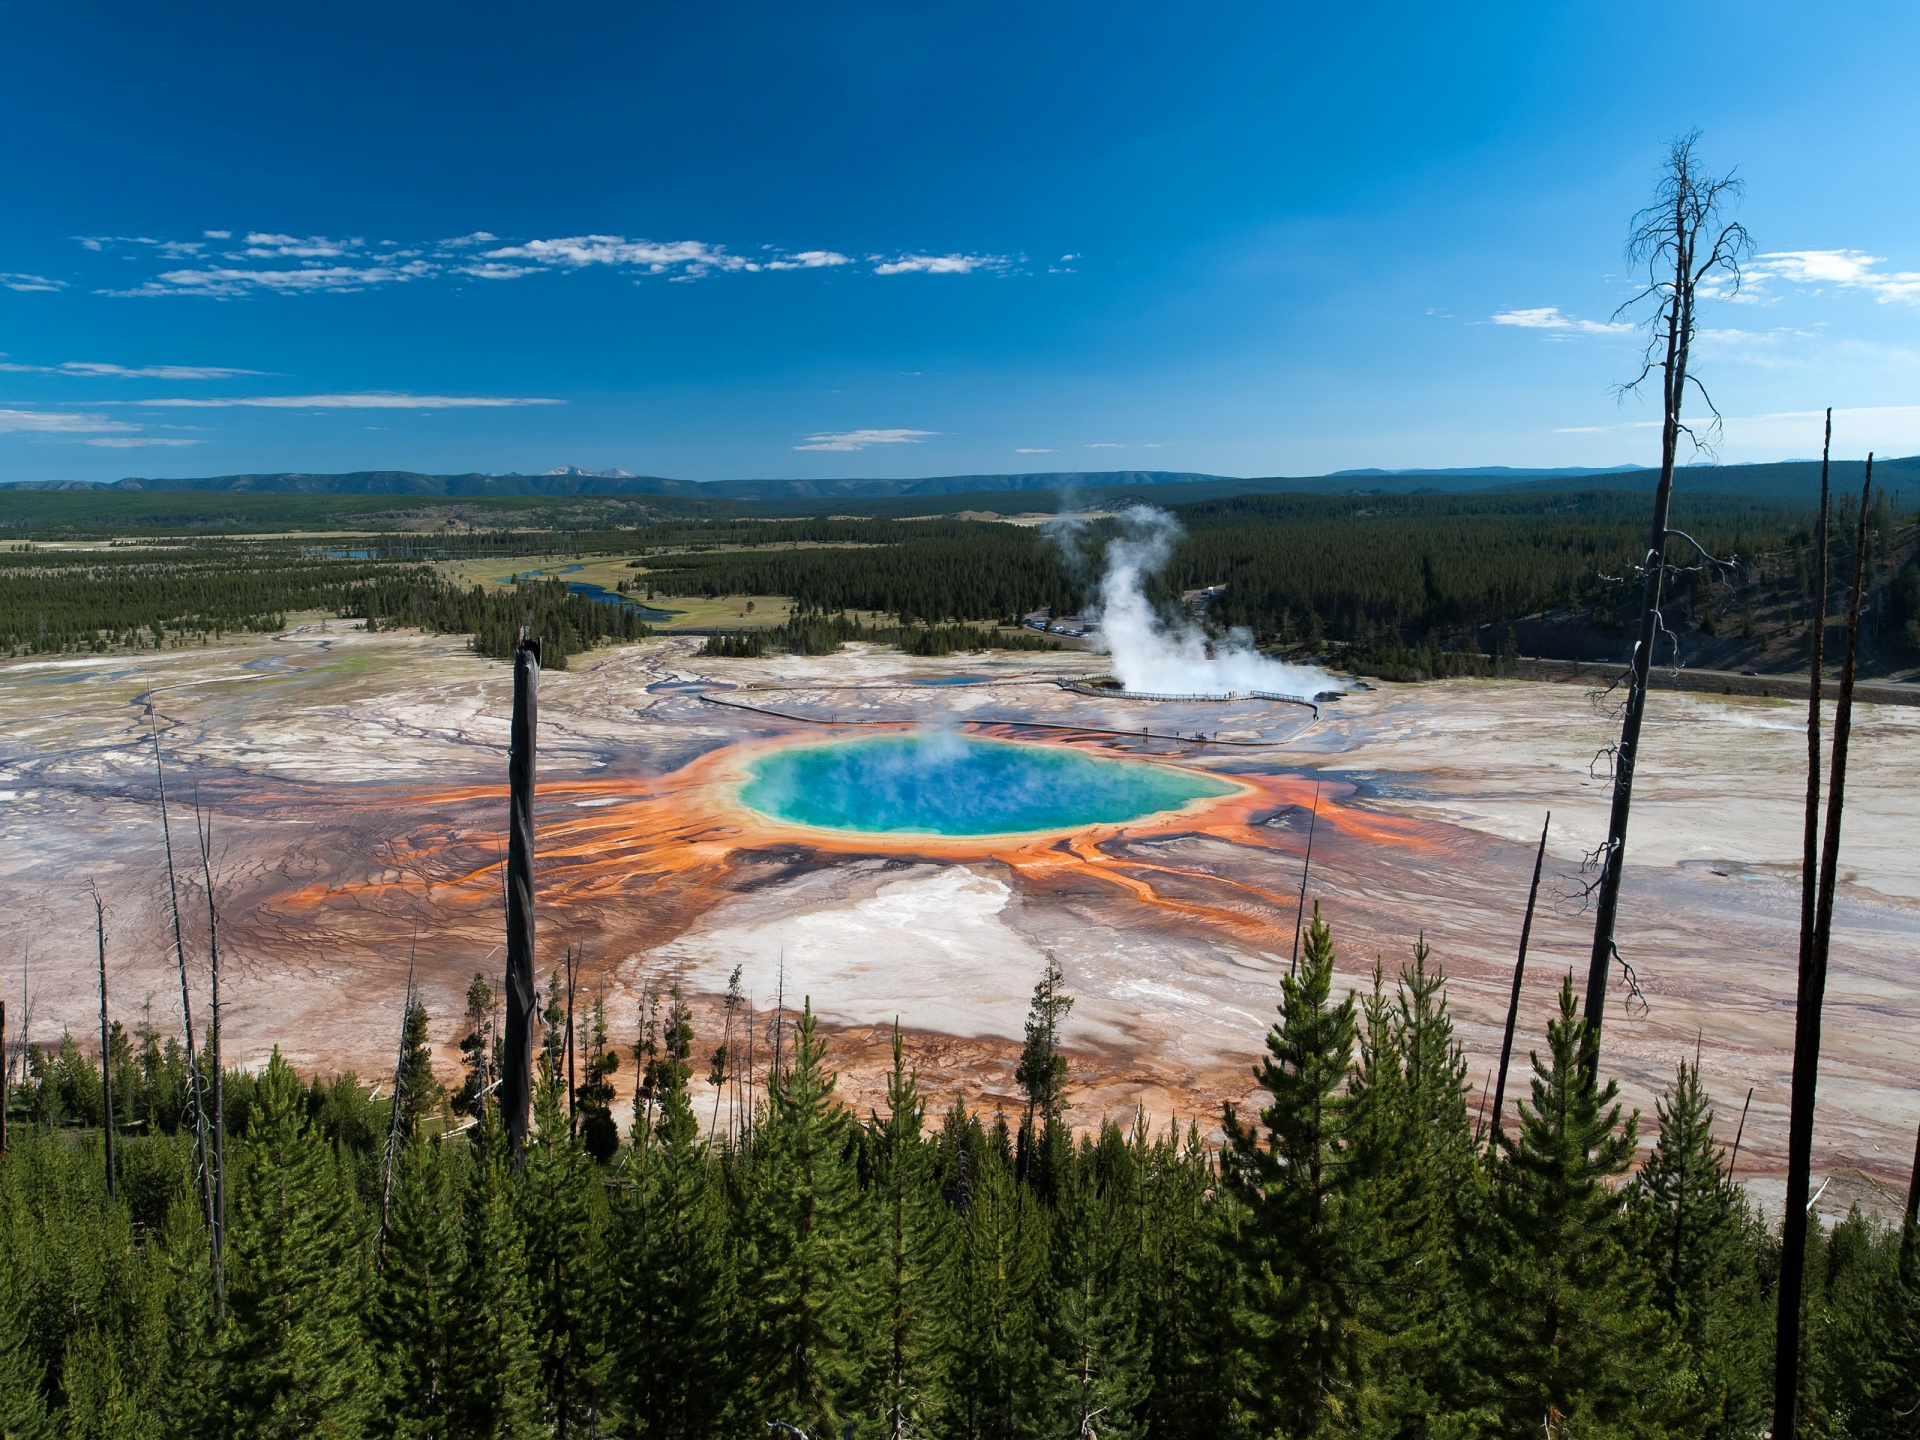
[1306, 869]
[1806, 1027]
[106, 1049]
[195, 1097]
[214, 1062]
[516, 1081]
[1667, 239]
[1816, 677]
[1519, 970]
[1740, 1133]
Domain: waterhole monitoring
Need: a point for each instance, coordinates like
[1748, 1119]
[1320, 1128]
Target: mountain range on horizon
[1781, 480]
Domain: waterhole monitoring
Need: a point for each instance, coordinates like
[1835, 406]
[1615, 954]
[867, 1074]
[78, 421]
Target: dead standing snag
[1687, 251]
[1806, 1020]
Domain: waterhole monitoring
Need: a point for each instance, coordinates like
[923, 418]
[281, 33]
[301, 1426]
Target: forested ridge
[1352, 1262]
[1399, 586]
[57, 602]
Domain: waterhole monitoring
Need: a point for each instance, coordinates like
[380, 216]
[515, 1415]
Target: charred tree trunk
[1519, 970]
[106, 1051]
[195, 1097]
[516, 1080]
[1806, 1037]
[1668, 239]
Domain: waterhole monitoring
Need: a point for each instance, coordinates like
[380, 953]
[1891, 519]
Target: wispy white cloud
[861, 439]
[16, 280]
[269, 262]
[807, 260]
[224, 282]
[368, 400]
[60, 422]
[95, 369]
[178, 249]
[1032, 450]
[693, 257]
[136, 442]
[1836, 269]
[1549, 317]
[937, 264]
[263, 246]
[1106, 445]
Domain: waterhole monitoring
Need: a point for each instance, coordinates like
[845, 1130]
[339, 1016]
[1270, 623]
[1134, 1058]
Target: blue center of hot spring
[949, 785]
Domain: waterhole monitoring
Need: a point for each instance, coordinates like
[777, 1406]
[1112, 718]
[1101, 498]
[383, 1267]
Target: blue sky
[893, 239]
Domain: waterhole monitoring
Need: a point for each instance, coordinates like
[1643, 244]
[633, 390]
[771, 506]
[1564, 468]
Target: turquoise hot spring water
[947, 784]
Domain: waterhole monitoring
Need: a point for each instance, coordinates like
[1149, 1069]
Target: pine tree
[1100, 1374]
[293, 1358]
[23, 1406]
[497, 1393]
[414, 1324]
[1303, 1293]
[477, 1047]
[672, 1288]
[594, 1095]
[913, 1236]
[1570, 1339]
[1414, 1178]
[1187, 1287]
[420, 1095]
[562, 1215]
[998, 1296]
[810, 1299]
[1042, 1075]
[1698, 1237]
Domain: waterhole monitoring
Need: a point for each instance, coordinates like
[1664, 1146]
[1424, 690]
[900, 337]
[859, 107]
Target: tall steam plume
[1158, 655]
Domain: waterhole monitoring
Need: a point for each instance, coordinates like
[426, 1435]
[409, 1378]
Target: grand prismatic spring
[891, 837]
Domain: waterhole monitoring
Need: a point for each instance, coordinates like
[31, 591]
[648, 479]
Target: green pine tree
[1303, 1296]
[23, 1405]
[1100, 1374]
[293, 1359]
[414, 1323]
[1699, 1238]
[563, 1212]
[594, 1096]
[1043, 1144]
[914, 1238]
[477, 1047]
[1187, 1286]
[497, 1394]
[672, 1285]
[1570, 1338]
[998, 1294]
[810, 1300]
[420, 1095]
[1413, 1191]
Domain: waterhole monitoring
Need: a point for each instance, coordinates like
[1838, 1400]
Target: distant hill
[1792, 480]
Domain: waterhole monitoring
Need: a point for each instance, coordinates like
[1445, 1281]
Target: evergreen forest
[1365, 1256]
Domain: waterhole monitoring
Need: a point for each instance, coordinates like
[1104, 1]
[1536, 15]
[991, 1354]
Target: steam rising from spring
[1153, 654]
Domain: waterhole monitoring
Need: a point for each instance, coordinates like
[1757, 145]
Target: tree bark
[1679, 324]
[516, 1080]
[1519, 970]
[1806, 1039]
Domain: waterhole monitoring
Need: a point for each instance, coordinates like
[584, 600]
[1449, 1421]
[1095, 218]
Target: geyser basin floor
[356, 784]
[961, 786]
